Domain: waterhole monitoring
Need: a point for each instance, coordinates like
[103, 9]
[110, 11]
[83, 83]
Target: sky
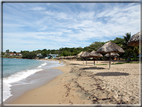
[33, 26]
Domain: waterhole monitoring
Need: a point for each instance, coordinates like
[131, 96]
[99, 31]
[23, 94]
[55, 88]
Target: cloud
[38, 8]
[48, 4]
[86, 15]
[73, 25]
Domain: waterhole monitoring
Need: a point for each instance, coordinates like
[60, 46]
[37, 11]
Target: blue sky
[33, 26]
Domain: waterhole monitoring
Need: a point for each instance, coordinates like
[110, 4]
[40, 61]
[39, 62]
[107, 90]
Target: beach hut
[110, 47]
[112, 54]
[79, 55]
[62, 57]
[71, 57]
[94, 54]
[85, 55]
[135, 39]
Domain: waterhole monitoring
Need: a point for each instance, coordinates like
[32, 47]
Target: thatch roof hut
[94, 54]
[62, 57]
[85, 55]
[65, 57]
[110, 47]
[135, 39]
[112, 54]
[79, 55]
[71, 57]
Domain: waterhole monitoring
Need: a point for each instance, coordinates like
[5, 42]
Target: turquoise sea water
[15, 70]
[13, 65]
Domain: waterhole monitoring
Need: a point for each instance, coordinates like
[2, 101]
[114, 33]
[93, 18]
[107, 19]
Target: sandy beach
[88, 84]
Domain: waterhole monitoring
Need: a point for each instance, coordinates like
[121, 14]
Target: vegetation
[117, 63]
[125, 62]
[101, 64]
[28, 55]
[131, 52]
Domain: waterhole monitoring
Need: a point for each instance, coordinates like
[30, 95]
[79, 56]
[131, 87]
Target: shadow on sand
[93, 68]
[75, 64]
[111, 74]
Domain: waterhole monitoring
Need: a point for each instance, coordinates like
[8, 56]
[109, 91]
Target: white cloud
[48, 4]
[86, 15]
[71, 28]
[38, 8]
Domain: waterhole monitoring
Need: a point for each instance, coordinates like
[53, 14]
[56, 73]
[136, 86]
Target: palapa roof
[69, 57]
[134, 40]
[66, 57]
[95, 54]
[78, 55]
[112, 54]
[110, 47]
[62, 57]
[85, 54]
[72, 57]
[58, 57]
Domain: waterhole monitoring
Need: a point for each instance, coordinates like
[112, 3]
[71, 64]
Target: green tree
[7, 51]
[119, 41]
[28, 55]
[128, 49]
[65, 53]
[126, 39]
[44, 53]
[96, 45]
[14, 51]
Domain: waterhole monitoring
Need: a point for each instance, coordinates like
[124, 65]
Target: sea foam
[7, 81]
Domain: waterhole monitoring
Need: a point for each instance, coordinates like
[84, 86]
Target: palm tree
[128, 49]
[126, 39]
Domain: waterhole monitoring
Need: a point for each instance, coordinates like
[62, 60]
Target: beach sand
[88, 84]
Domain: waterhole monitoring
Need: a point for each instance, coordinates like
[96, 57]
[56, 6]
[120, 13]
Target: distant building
[18, 54]
[39, 55]
[52, 55]
[13, 54]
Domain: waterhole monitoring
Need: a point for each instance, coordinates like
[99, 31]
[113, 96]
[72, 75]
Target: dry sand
[88, 84]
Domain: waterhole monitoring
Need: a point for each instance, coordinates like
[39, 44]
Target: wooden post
[83, 61]
[94, 61]
[86, 60]
[109, 61]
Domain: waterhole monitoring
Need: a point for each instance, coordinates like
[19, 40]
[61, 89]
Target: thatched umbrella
[79, 55]
[71, 57]
[58, 57]
[62, 57]
[135, 39]
[94, 54]
[110, 47]
[112, 54]
[66, 57]
[85, 55]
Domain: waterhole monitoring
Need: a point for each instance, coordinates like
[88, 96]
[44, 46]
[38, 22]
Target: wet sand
[36, 80]
[88, 84]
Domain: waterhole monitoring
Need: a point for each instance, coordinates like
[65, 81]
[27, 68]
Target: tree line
[130, 51]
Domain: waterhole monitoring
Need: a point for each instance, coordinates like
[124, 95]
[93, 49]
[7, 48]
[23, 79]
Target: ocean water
[15, 70]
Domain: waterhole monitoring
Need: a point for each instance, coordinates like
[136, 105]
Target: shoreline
[87, 85]
[33, 81]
